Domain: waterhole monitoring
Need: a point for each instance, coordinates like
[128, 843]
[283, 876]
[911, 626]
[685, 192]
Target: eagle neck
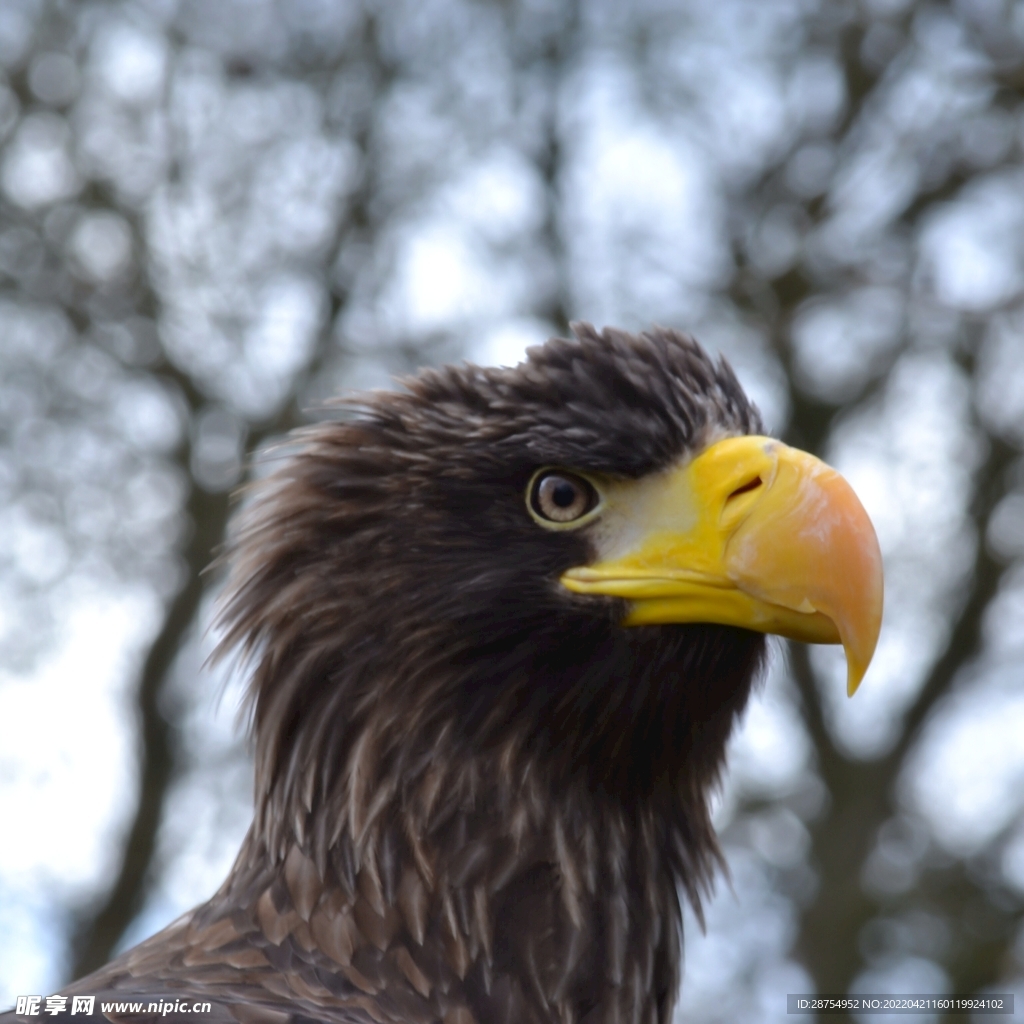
[505, 896]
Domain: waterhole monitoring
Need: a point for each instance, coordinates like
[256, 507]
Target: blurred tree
[215, 216]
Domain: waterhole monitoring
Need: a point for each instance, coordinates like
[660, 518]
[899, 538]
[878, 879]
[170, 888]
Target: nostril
[750, 485]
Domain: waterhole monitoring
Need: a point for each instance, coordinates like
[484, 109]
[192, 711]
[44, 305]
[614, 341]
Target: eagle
[499, 626]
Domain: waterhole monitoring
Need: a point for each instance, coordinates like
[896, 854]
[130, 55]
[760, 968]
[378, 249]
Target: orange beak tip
[854, 677]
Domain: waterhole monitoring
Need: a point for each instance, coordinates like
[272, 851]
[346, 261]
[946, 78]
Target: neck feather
[503, 879]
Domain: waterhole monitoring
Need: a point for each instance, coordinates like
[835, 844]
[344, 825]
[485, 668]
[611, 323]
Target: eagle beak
[750, 533]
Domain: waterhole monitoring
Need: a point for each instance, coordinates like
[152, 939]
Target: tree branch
[99, 930]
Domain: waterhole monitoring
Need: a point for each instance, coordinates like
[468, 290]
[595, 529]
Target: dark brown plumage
[477, 794]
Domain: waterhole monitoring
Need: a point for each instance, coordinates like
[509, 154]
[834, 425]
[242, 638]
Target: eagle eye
[557, 497]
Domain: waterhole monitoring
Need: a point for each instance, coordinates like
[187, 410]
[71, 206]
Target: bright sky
[67, 773]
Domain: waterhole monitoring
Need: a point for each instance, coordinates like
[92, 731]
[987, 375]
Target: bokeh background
[216, 215]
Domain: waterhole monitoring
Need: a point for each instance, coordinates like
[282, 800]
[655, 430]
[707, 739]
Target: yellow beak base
[750, 533]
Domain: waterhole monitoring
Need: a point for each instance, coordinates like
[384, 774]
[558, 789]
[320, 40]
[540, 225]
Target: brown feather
[477, 796]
